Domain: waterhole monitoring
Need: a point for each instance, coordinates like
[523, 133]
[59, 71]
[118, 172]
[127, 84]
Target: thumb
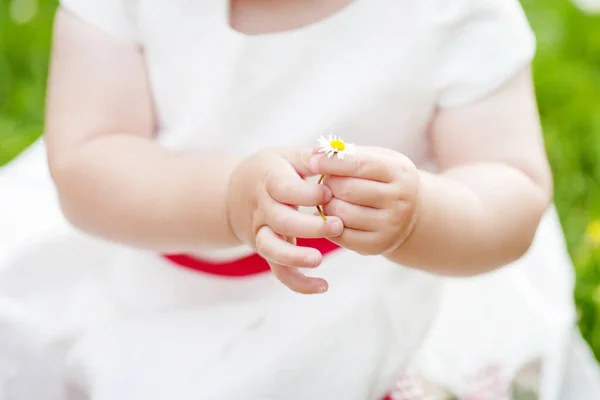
[300, 159]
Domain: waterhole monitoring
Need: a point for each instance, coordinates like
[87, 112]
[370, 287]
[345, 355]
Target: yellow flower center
[337, 145]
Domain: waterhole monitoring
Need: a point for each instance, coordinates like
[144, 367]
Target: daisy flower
[330, 146]
[335, 145]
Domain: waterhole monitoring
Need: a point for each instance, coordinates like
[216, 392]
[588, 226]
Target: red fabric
[246, 266]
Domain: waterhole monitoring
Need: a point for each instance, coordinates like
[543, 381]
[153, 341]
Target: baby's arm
[480, 212]
[113, 179]
[483, 210]
[116, 182]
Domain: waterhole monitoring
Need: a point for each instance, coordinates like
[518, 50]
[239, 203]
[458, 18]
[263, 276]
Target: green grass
[567, 74]
[23, 67]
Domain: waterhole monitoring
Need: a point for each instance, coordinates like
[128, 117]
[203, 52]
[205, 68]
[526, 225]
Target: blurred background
[567, 74]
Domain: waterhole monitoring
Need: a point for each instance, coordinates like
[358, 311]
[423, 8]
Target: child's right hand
[264, 194]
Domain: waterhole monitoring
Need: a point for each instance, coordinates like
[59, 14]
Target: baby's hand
[264, 194]
[376, 194]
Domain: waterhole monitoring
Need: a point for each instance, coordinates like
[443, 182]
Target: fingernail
[337, 227]
[313, 164]
[312, 259]
[322, 289]
[328, 194]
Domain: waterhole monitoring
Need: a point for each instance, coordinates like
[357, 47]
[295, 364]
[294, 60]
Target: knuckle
[268, 251]
[404, 163]
[396, 197]
[334, 207]
[305, 157]
[403, 209]
[261, 195]
[398, 225]
[268, 181]
[258, 222]
[346, 191]
[277, 186]
[410, 179]
[295, 259]
[254, 195]
[282, 188]
[278, 256]
[381, 246]
[360, 165]
[281, 222]
[384, 218]
[259, 242]
[332, 182]
[405, 168]
[394, 191]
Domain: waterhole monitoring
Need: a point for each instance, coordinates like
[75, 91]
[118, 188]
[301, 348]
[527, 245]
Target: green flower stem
[319, 207]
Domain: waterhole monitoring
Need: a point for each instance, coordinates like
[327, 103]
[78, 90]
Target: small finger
[287, 221]
[362, 242]
[362, 164]
[299, 159]
[362, 192]
[293, 190]
[297, 281]
[276, 250]
[357, 217]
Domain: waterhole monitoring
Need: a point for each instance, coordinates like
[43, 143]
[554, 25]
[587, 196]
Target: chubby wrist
[202, 198]
[415, 218]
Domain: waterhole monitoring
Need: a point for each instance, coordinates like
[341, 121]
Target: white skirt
[81, 318]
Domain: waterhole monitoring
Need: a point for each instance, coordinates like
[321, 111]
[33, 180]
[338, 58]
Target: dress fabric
[127, 324]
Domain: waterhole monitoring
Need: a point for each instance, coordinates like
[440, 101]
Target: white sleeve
[115, 17]
[482, 44]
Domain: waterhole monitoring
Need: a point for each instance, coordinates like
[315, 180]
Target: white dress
[124, 324]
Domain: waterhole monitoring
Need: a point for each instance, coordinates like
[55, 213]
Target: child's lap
[120, 342]
[519, 317]
[175, 333]
[225, 352]
[345, 344]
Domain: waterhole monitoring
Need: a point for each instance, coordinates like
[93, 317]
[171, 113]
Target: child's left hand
[376, 193]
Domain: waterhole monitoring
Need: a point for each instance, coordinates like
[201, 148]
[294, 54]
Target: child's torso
[364, 73]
